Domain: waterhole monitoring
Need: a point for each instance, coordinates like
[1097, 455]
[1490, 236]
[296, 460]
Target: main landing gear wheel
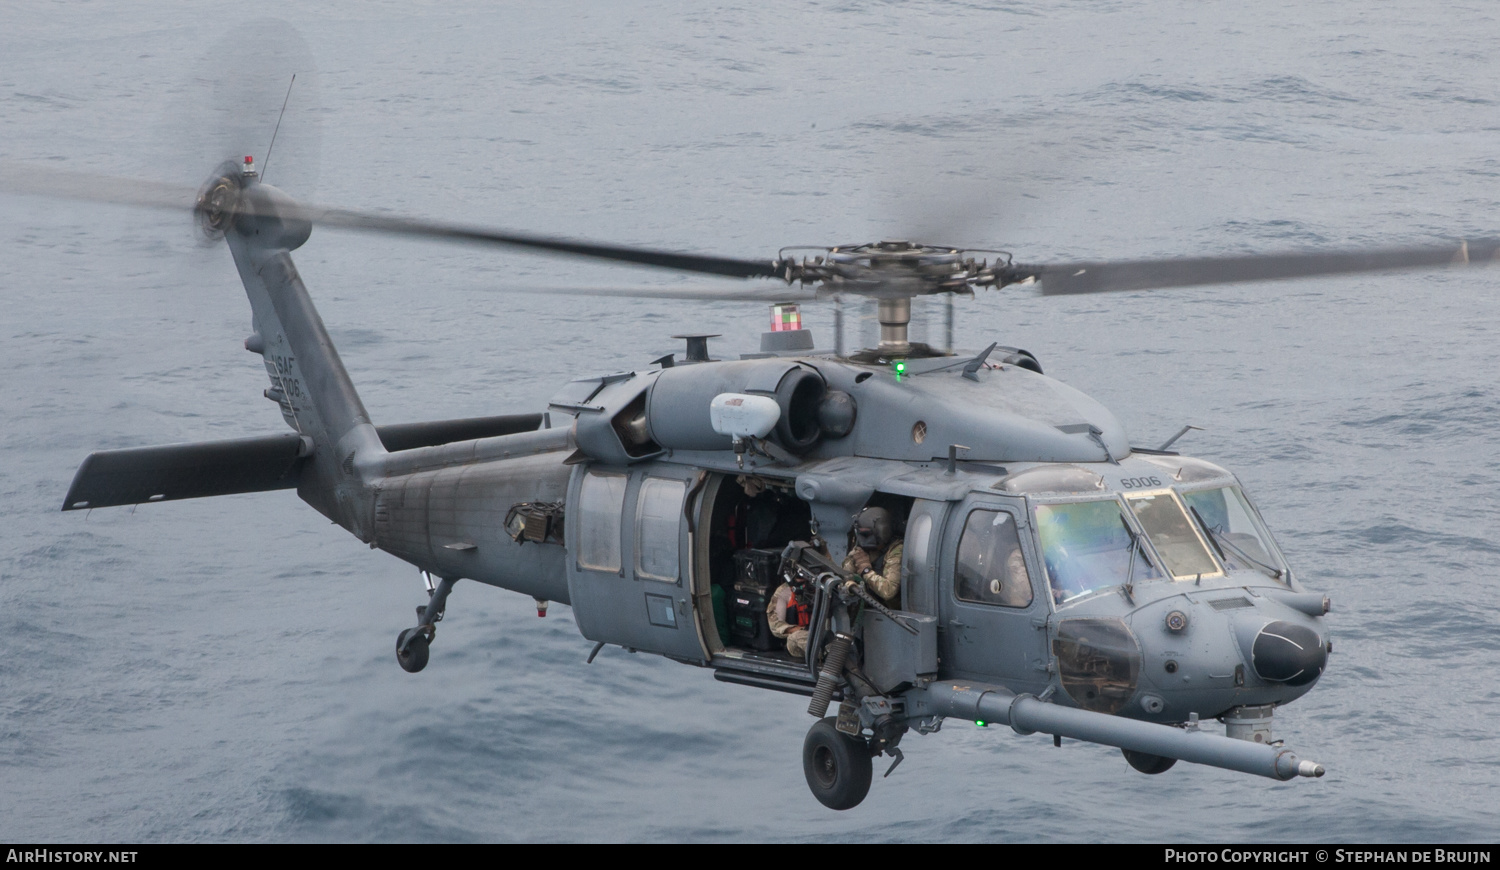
[1145, 762]
[411, 650]
[838, 767]
[412, 644]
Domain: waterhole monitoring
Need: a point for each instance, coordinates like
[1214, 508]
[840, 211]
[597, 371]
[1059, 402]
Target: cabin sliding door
[629, 566]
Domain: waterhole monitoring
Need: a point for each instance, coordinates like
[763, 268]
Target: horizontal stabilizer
[146, 474]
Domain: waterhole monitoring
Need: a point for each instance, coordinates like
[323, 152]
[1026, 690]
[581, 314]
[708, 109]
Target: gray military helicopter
[1055, 578]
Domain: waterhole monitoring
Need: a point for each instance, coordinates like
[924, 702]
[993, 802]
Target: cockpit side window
[991, 568]
[1087, 546]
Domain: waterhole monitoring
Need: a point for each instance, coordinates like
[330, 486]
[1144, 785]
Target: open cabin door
[629, 567]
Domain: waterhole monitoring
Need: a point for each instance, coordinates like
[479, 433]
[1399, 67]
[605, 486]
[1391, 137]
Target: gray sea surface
[222, 670]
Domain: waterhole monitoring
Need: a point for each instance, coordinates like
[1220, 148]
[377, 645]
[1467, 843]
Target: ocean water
[223, 669]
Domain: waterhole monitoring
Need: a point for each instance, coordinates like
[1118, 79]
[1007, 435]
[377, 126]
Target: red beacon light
[249, 169]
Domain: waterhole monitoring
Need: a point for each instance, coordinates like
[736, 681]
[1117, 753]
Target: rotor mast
[895, 318]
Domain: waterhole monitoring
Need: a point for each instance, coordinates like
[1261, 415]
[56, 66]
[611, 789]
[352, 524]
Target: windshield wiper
[1135, 547]
[1222, 542]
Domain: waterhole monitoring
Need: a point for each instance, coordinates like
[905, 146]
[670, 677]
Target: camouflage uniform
[884, 577]
[794, 635]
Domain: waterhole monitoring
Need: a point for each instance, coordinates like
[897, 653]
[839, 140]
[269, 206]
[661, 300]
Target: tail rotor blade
[33, 180]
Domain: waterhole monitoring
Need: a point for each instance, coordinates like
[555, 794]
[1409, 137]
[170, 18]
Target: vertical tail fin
[308, 379]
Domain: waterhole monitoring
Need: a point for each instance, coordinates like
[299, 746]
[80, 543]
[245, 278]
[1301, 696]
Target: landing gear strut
[838, 767]
[411, 644]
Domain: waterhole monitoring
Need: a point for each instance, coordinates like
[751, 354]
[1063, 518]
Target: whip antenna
[266, 164]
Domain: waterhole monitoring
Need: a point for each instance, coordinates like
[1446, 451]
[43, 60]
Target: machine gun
[810, 572]
[806, 569]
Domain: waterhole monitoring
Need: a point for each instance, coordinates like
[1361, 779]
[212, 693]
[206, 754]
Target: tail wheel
[1145, 762]
[838, 767]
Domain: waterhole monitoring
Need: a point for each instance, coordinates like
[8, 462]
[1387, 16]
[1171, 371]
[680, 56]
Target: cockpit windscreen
[1232, 526]
[1172, 533]
[1087, 546]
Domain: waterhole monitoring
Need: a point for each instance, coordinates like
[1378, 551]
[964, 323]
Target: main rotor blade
[766, 296]
[28, 178]
[407, 226]
[1060, 279]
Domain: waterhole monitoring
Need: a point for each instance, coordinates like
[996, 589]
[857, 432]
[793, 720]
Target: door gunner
[876, 556]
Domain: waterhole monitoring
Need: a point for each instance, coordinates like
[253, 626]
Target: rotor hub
[893, 271]
[218, 201]
[912, 268]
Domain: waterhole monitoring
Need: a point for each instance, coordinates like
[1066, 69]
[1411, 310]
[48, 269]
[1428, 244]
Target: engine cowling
[677, 406]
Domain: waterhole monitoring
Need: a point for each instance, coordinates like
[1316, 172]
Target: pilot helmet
[872, 528]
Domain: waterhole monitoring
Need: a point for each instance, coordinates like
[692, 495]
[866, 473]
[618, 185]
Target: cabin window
[1086, 546]
[1173, 535]
[991, 568]
[658, 516]
[601, 501]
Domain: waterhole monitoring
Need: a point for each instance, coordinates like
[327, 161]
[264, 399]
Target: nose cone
[1288, 653]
